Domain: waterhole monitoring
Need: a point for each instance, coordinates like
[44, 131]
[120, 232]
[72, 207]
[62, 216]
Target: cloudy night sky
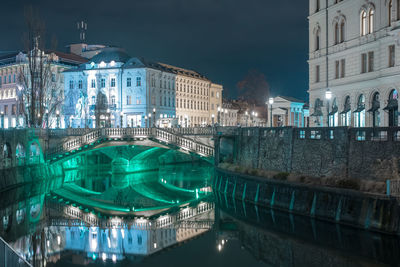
[222, 39]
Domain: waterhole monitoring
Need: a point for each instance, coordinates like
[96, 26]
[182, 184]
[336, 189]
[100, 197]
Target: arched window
[393, 108]
[390, 12]
[375, 105]
[398, 9]
[371, 21]
[336, 39]
[317, 40]
[333, 115]
[346, 113]
[363, 23]
[342, 31]
[359, 113]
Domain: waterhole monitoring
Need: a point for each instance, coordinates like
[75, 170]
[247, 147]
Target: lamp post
[121, 118]
[225, 115]
[328, 96]
[145, 120]
[108, 118]
[271, 102]
[154, 117]
[47, 118]
[58, 118]
[219, 116]
[149, 120]
[2, 119]
[212, 119]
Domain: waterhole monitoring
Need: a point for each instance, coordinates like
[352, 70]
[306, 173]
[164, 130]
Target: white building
[114, 86]
[114, 90]
[11, 66]
[288, 112]
[353, 54]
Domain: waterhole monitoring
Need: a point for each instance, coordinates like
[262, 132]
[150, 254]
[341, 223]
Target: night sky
[222, 39]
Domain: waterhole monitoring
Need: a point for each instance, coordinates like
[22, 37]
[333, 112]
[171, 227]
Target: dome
[111, 54]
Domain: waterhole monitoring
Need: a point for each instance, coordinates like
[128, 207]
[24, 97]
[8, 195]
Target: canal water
[134, 207]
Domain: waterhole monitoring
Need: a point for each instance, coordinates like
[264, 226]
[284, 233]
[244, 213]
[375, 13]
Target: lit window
[363, 23]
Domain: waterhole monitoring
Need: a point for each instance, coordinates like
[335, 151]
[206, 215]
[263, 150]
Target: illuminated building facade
[353, 63]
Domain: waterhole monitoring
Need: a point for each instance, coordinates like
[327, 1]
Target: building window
[71, 84]
[128, 82]
[139, 81]
[80, 84]
[103, 83]
[93, 83]
[129, 100]
[398, 9]
[363, 23]
[336, 39]
[337, 65]
[370, 61]
[112, 82]
[9, 78]
[390, 12]
[342, 31]
[317, 40]
[342, 68]
[317, 74]
[6, 110]
[371, 21]
[13, 109]
[5, 79]
[363, 63]
[317, 5]
[113, 100]
[392, 56]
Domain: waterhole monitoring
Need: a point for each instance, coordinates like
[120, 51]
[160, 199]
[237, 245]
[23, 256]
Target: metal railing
[126, 133]
[9, 257]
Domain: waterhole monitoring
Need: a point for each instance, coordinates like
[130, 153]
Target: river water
[97, 213]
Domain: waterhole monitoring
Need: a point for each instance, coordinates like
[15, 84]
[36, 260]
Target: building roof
[291, 99]
[69, 58]
[111, 54]
[181, 71]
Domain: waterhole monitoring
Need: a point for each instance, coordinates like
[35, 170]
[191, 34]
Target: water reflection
[281, 239]
[106, 215]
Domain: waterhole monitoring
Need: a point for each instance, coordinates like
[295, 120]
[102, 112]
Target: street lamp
[212, 119]
[108, 118]
[121, 115]
[271, 102]
[58, 118]
[328, 96]
[149, 120]
[154, 117]
[2, 119]
[47, 118]
[219, 116]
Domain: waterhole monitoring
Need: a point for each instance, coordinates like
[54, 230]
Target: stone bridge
[22, 147]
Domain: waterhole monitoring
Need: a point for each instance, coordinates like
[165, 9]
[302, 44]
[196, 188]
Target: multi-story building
[288, 112]
[353, 63]
[228, 115]
[11, 66]
[192, 97]
[113, 89]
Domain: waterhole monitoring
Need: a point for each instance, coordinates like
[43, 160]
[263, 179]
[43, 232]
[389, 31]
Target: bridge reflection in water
[129, 203]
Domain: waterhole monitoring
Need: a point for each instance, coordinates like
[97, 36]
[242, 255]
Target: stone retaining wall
[361, 153]
[362, 210]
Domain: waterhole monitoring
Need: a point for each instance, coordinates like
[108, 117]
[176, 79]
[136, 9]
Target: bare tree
[254, 87]
[40, 95]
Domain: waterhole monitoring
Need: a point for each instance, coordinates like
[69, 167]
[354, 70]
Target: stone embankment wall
[364, 153]
[362, 210]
